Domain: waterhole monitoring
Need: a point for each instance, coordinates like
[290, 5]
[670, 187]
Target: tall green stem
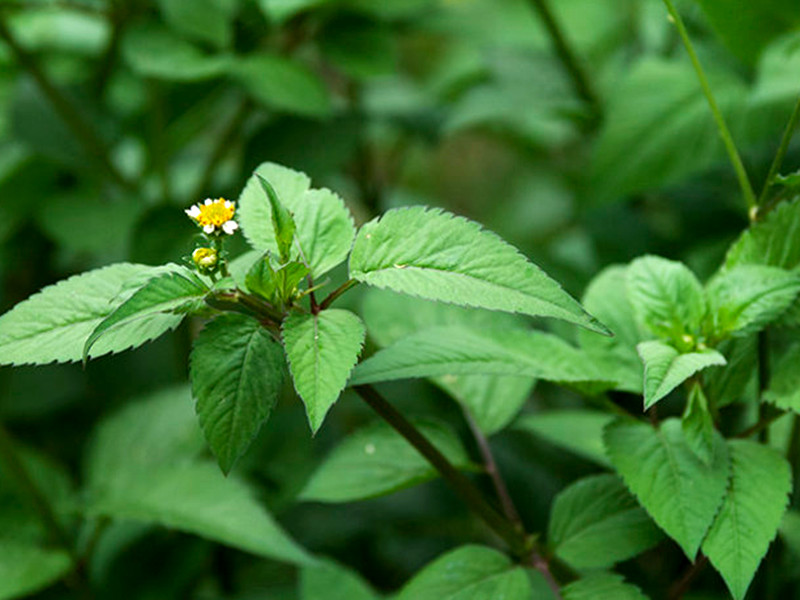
[724, 132]
[79, 127]
[781, 154]
[569, 59]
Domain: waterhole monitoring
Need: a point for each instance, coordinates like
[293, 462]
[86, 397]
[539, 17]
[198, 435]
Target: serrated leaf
[580, 431]
[325, 227]
[436, 255]
[596, 523]
[733, 382]
[667, 298]
[665, 368]
[237, 371]
[142, 465]
[52, 325]
[283, 223]
[322, 350]
[492, 400]
[330, 581]
[772, 241]
[602, 585]
[680, 491]
[749, 517]
[792, 180]
[468, 573]
[282, 83]
[454, 350]
[698, 425]
[607, 299]
[784, 386]
[746, 298]
[173, 293]
[276, 285]
[376, 460]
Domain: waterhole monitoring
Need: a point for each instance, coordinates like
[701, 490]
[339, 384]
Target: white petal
[228, 204]
[194, 211]
[229, 227]
[208, 201]
[208, 229]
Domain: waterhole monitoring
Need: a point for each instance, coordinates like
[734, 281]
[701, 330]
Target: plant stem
[80, 128]
[724, 132]
[500, 487]
[568, 58]
[763, 380]
[460, 484]
[781, 154]
[337, 292]
[684, 583]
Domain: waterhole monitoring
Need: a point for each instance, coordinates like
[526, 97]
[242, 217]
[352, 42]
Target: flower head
[214, 216]
[205, 258]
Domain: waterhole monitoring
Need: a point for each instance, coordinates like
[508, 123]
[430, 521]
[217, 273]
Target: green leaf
[27, 567]
[237, 372]
[455, 350]
[282, 222]
[142, 466]
[680, 491]
[376, 461]
[666, 296]
[596, 523]
[283, 84]
[773, 241]
[493, 401]
[580, 431]
[698, 425]
[750, 515]
[325, 227]
[732, 383]
[784, 386]
[52, 325]
[322, 351]
[468, 573]
[203, 20]
[747, 27]
[330, 581]
[607, 299]
[790, 531]
[602, 585]
[665, 368]
[173, 293]
[746, 298]
[436, 255]
[792, 180]
[653, 115]
[153, 51]
[276, 285]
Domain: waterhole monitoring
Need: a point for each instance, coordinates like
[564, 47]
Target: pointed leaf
[325, 227]
[602, 585]
[746, 298]
[468, 573]
[282, 221]
[579, 431]
[666, 297]
[784, 387]
[607, 299]
[677, 489]
[376, 460]
[52, 325]
[174, 293]
[492, 400]
[436, 255]
[596, 523]
[322, 351]
[457, 350]
[750, 515]
[665, 368]
[772, 241]
[142, 465]
[698, 425]
[237, 371]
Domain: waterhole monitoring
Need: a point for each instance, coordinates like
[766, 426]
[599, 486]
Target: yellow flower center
[217, 213]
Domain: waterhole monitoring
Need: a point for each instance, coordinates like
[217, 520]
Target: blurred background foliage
[584, 146]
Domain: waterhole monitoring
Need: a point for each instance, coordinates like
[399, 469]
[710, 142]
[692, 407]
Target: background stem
[781, 154]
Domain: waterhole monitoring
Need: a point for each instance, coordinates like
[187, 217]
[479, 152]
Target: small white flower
[214, 216]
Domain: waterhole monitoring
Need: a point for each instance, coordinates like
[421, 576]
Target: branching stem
[781, 153]
[350, 283]
[724, 132]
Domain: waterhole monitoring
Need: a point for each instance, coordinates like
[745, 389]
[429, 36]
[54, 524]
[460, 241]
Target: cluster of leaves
[114, 116]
